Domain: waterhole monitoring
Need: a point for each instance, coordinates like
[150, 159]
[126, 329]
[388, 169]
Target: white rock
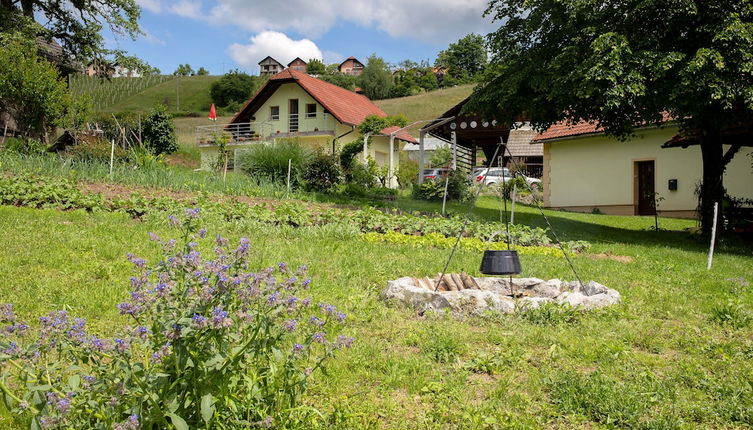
[592, 288]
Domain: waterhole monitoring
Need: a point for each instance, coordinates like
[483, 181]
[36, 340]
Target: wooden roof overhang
[470, 130]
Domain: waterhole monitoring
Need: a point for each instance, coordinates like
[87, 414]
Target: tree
[376, 79]
[31, 91]
[159, 131]
[315, 67]
[202, 72]
[233, 87]
[183, 70]
[76, 25]
[623, 64]
[465, 58]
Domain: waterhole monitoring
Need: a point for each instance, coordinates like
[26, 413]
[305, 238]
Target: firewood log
[450, 283]
[456, 279]
[470, 282]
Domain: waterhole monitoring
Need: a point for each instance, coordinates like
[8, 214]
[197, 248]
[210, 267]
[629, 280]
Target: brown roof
[520, 143]
[351, 58]
[565, 129]
[296, 59]
[346, 106]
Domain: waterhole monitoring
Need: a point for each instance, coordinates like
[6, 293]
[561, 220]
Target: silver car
[499, 175]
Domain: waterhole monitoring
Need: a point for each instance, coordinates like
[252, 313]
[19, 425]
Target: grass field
[426, 105]
[676, 354]
[193, 92]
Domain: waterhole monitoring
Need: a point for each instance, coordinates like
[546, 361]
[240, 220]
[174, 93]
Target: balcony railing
[266, 131]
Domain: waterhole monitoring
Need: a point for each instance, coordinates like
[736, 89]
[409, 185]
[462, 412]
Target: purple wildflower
[173, 220]
[192, 213]
[297, 348]
[141, 332]
[290, 325]
[88, 381]
[12, 349]
[220, 241]
[318, 337]
[344, 341]
[316, 321]
[273, 298]
[136, 261]
[307, 301]
[243, 247]
[6, 313]
[121, 345]
[127, 308]
[161, 353]
[305, 283]
[220, 318]
[340, 316]
[202, 232]
[18, 328]
[199, 321]
[153, 237]
[283, 267]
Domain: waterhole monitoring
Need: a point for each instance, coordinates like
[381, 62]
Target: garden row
[56, 193]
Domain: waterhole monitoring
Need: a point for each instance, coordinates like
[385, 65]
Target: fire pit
[461, 293]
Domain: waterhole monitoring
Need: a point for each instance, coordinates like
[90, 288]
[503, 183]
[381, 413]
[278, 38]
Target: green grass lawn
[193, 92]
[425, 105]
[659, 360]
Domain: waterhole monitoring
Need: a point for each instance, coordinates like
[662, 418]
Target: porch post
[391, 169]
[454, 151]
[421, 157]
[365, 148]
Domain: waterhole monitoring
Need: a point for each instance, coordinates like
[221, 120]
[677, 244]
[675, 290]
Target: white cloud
[431, 21]
[153, 6]
[151, 38]
[275, 44]
[187, 9]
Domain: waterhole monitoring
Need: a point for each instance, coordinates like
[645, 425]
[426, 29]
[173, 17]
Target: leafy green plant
[98, 151]
[322, 173]
[25, 146]
[731, 314]
[207, 344]
[158, 133]
[549, 313]
[441, 345]
[270, 162]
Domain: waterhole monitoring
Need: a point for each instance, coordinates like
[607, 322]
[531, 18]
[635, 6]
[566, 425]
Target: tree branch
[730, 154]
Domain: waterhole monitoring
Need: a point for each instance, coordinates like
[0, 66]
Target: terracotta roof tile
[565, 129]
[348, 107]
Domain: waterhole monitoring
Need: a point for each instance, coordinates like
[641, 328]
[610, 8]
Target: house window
[311, 110]
[274, 113]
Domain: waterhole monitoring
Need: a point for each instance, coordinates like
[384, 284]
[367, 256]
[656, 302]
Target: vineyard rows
[107, 92]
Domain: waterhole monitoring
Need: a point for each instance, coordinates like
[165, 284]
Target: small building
[298, 65]
[585, 170]
[431, 144]
[269, 66]
[115, 71]
[351, 66]
[313, 113]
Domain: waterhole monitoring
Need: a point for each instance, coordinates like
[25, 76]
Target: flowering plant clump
[207, 344]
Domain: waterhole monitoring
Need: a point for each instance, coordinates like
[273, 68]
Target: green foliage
[363, 175]
[315, 67]
[333, 76]
[458, 188]
[25, 146]
[407, 171]
[373, 124]
[376, 79]
[441, 344]
[441, 157]
[98, 152]
[30, 89]
[234, 87]
[549, 314]
[184, 70]
[348, 153]
[414, 80]
[158, 131]
[270, 162]
[465, 58]
[195, 352]
[106, 93]
[202, 72]
[76, 25]
[732, 314]
[322, 173]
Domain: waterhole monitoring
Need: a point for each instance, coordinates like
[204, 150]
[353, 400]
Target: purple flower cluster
[131, 423]
[220, 318]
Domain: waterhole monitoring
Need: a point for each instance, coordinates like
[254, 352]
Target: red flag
[213, 113]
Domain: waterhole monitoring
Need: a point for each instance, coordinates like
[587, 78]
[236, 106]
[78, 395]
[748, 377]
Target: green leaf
[178, 422]
[35, 424]
[74, 381]
[207, 407]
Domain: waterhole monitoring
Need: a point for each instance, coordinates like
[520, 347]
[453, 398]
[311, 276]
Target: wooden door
[646, 187]
[293, 123]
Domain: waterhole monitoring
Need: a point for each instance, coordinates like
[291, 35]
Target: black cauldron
[500, 263]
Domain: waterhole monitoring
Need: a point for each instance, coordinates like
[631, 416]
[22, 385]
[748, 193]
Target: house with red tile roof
[315, 113]
[351, 66]
[656, 169]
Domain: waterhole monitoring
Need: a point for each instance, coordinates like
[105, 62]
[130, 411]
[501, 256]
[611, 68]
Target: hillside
[193, 91]
[426, 105]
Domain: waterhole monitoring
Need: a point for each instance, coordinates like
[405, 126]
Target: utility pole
[177, 94]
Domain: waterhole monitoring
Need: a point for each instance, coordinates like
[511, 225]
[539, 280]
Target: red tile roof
[346, 106]
[564, 129]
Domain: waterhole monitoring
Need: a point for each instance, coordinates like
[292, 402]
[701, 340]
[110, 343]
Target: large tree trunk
[712, 187]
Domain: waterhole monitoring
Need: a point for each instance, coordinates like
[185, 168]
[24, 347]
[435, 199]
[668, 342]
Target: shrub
[407, 172]
[98, 151]
[270, 162]
[322, 173]
[364, 175]
[458, 188]
[25, 145]
[207, 344]
[549, 314]
[158, 131]
[233, 87]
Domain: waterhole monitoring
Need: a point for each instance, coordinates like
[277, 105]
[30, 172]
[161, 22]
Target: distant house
[269, 66]
[298, 65]
[586, 170]
[117, 71]
[314, 113]
[351, 66]
[431, 144]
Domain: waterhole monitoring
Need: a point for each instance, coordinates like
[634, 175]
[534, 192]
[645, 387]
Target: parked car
[498, 175]
[438, 173]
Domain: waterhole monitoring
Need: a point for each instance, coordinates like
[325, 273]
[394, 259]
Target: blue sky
[225, 34]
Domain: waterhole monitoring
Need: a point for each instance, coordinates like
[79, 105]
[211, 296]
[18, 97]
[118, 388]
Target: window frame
[311, 114]
[272, 116]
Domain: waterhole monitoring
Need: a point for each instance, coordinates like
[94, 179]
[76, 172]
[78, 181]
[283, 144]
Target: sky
[226, 34]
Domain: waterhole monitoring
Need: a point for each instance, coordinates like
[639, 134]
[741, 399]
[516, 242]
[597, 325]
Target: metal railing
[265, 131]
